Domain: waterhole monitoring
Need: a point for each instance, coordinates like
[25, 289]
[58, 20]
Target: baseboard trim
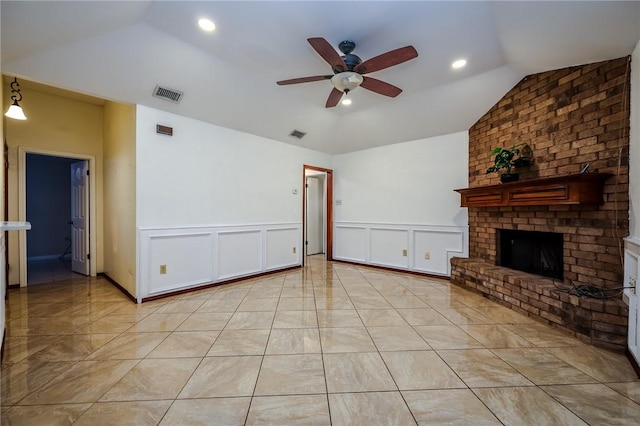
[633, 362]
[205, 286]
[12, 286]
[388, 268]
[117, 285]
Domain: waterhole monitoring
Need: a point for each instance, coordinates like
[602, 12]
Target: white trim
[244, 226]
[211, 257]
[440, 262]
[632, 240]
[22, 205]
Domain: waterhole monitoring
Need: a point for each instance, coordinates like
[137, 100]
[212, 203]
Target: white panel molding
[187, 256]
[448, 243]
[240, 253]
[631, 241]
[3, 288]
[386, 245]
[351, 242]
[204, 254]
[384, 242]
[279, 245]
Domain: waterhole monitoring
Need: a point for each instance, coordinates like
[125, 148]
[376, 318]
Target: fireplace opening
[534, 252]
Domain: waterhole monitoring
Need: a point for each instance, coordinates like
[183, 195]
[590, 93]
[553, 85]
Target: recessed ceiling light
[346, 101]
[206, 24]
[459, 63]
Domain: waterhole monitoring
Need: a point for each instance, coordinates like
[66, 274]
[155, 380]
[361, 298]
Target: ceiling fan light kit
[349, 69]
[346, 81]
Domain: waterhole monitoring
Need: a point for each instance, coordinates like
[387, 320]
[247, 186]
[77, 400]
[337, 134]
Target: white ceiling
[122, 50]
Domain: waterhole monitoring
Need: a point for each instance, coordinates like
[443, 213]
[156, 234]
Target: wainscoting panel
[282, 247]
[239, 253]
[350, 243]
[177, 261]
[389, 247]
[3, 288]
[198, 255]
[382, 244]
[439, 246]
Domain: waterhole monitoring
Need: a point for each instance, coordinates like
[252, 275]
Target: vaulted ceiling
[122, 50]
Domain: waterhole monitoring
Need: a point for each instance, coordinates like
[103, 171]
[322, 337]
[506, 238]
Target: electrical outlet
[427, 255]
[294, 249]
[163, 269]
[404, 252]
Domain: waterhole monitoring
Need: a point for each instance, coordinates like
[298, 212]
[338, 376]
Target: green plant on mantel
[505, 159]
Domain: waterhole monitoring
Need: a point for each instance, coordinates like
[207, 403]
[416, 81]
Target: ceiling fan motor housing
[347, 46]
[350, 60]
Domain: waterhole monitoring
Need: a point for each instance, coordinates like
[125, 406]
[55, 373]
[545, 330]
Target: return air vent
[168, 94]
[297, 134]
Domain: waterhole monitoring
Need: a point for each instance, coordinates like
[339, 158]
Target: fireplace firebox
[534, 252]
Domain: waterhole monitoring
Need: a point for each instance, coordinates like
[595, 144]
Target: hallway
[329, 344]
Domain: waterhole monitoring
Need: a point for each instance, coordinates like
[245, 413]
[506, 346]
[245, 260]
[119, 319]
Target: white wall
[3, 283]
[214, 203]
[634, 142]
[632, 242]
[400, 197]
[207, 174]
[410, 182]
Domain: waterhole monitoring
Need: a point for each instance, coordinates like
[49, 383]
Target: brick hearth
[568, 117]
[601, 322]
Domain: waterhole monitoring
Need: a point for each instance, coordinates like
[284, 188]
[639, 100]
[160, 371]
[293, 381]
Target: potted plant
[505, 158]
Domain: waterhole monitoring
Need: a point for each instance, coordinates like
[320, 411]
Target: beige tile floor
[330, 344]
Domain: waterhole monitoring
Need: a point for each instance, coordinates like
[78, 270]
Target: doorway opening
[56, 194]
[317, 212]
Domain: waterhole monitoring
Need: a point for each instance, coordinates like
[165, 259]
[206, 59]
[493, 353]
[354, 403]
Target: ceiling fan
[349, 70]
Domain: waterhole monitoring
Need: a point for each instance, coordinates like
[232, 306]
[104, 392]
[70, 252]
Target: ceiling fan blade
[381, 87]
[303, 80]
[334, 98]
[328, 53]
[386, 60]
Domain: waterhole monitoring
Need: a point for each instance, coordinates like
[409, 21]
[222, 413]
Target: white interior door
[314, 222]
[80, 217]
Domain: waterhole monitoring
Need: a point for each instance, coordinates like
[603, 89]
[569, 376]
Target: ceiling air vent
[167, 94]
[297, 134]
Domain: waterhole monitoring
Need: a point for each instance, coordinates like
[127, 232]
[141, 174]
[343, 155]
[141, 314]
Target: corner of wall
[120, 195]
[634, 146]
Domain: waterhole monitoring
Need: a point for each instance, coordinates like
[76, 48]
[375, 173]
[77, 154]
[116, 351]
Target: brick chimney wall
[568, 117]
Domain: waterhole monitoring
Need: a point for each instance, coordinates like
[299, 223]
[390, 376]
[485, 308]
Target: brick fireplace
[568, 117]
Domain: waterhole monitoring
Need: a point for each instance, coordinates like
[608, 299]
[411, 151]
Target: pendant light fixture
[15, 110]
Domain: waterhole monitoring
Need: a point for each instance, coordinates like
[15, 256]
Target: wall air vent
[168, 94]
[297, 134]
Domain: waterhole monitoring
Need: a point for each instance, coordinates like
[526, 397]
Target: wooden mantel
[579, 188]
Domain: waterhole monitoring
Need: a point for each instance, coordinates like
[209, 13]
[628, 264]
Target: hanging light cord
[15, 88]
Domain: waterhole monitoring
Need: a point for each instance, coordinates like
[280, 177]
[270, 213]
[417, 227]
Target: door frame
[328, 225]
[320, 180]
[22, 204]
